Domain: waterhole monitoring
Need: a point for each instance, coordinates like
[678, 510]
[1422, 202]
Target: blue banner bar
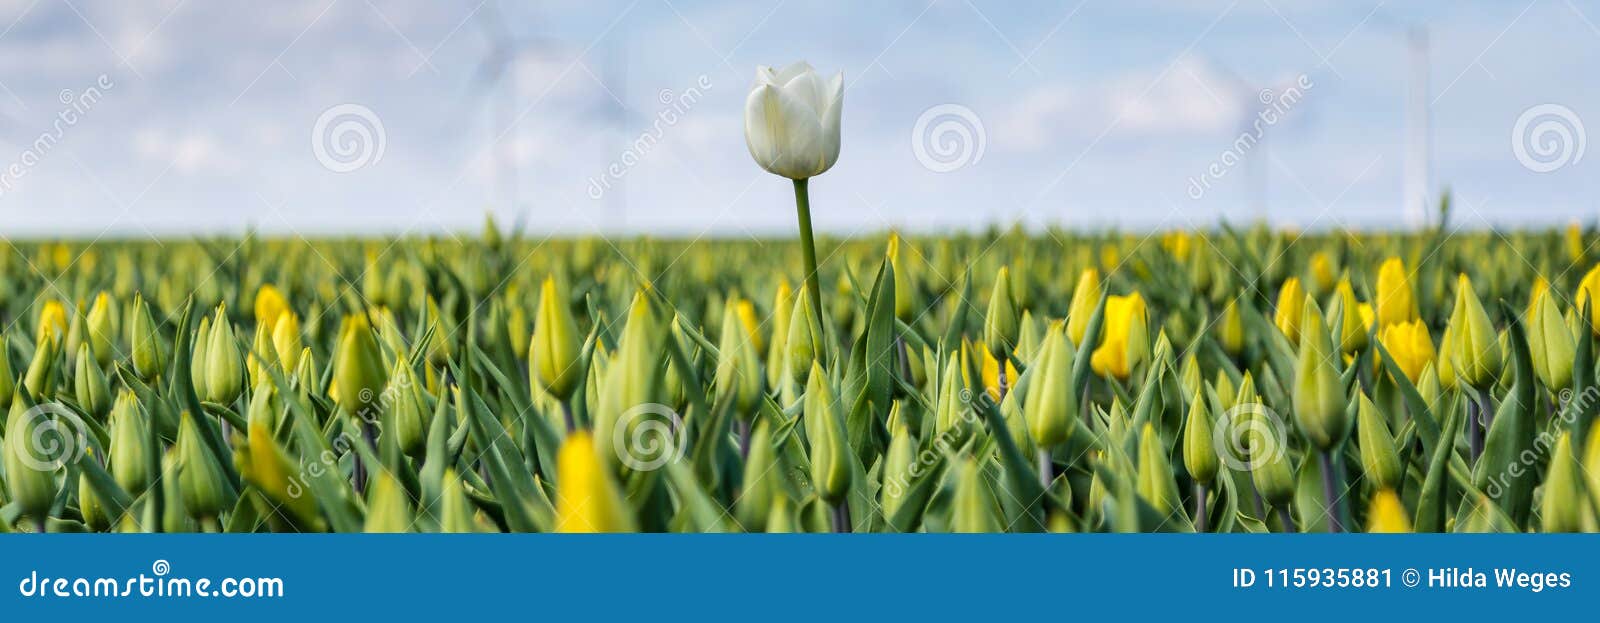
[756, 577]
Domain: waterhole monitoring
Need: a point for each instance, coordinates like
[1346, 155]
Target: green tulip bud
[173, 517]
[262, 359]
[1551, 344]
[830, 448]
[94, 514]
[633, 378]
[130, 452]
[1476, 348]
[201, 484]
[102, 329]
[1230, 329]
[358, 369]
[441, 347]
[951, 411]
[30, 465]
[1051, 403]
[224, 364]
[1563, 505]
[781, 520]
[267, 467]
[556, 344]
[1001, 321]
[1270, 470]
[899, 465]
[456, 514]
[264, 406]
[197, 362]
[408, 414]
[761, 474]
[144, 343]
[1428, 386]
[1199, 451]
[973, 508]
[738, 375]
[388, 510]
[804, 342]
[778, 346]
[93, 392]
[41, 377]
[1379, 459]
[1318, 391]
[1156, 484]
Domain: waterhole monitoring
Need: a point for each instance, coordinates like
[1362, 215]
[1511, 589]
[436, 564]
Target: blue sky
[1092, 114]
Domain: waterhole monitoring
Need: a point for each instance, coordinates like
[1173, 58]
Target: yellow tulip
[52, 321]
[587, 498]
[991, 372]
[1587, 287]
[1386, 514]
[1126, 337]
[1397, 302]
[270, 304]
[1324, 274]
[1291, 304]
[1411, 346]
[1084, 299]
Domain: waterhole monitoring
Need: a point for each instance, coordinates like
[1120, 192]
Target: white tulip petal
[833, 108]
[782, 133]
[791, 70]
[807, 87]
[765, 75]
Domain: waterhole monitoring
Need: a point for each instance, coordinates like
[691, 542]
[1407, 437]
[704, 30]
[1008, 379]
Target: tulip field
[1230, 379]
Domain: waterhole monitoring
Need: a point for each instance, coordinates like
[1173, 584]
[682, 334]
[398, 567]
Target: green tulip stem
[744, 438]
[1200, 518]
[1474, 431]
[1046, 471]
[1330, 492]
[1286, 518]
[808, 246]
[1000, 377]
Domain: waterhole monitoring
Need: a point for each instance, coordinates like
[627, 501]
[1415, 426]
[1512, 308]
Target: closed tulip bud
[780, 519]
[1346, 310]
[77, 335]
[1227, 393]
[306, 376]
[145, 342]
[1001, 321]
[899, 466]
[30, 459]
[989, 369]
[1230, 329]
[1085, 297]
[791, 120]
[556, 344]
[94, 515]
[633, 375]
[408, 414]
[1156, 484]
[1273, 478]
[130, 451]
[270, 304]
[1291, 306]
[1324, 274]
[224, 364]
[92, 389]
[52, 322]
[1476, 348]
[286, 340]
[102, 330]
[973, 508]
[1385, 514]
[1051, 404]
[777, 347]
[1199, 449]
[761, 476]
[1397, 302]
[1126, 340]
[1591, 461]
[388, 506]
[1447, 359]
[201, 484]
[358, 369]
[905, 307]
[1428, 386]
[267, 468]
[41, 376]
[517, 331]
[1318, 392]
[1029, 338]
[1550, 344]
[1409, 343]
[456, 513]
[198, 358]
[950, 410]
[262, 358]
[1189, 379]
[264, 406]
[1379, 459]
[738, 375]
[804, 343]
[1563, 504]
[830, 448]
[442, 346]
[587, 497]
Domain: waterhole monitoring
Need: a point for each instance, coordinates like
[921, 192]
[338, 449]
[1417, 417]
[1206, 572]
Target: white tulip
[791, 120]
